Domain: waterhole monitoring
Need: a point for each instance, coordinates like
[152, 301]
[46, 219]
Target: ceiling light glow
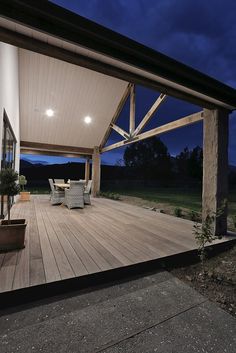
[87, 119]
[49, 112]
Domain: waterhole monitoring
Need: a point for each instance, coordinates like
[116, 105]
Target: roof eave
[52, 19]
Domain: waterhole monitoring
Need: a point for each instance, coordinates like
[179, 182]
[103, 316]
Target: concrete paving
[156, 313]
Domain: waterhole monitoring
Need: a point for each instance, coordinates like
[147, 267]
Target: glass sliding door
[8, 155]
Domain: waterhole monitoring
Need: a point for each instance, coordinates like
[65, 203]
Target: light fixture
[87, 119]
[49, 112]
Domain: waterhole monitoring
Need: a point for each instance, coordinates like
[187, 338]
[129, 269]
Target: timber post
[215, 166]
[96, 172]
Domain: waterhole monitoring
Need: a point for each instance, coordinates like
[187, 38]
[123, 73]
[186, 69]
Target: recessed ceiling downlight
[87, 119]
[49, 112]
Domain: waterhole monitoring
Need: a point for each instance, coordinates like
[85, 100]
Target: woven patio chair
[56, 196]
[74, 196]
[59, 181]
[87, 191]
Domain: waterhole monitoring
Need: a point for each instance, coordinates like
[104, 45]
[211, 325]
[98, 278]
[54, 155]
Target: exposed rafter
[116, 115]
[120, 131]
[132, 111]
[149, 114]
[190, 119]
[132, 131]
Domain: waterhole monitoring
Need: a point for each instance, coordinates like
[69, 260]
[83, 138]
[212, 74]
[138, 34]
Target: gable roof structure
[86, 68]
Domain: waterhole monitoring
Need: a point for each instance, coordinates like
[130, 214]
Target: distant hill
[34, 162]
[25, 164]
[38, 174]
[232, 168]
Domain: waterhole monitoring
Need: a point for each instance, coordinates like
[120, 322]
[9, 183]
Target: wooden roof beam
[132, 110]
[55, 149]
[150, 114]
[116, 115]
[190, 119]
[120, 131]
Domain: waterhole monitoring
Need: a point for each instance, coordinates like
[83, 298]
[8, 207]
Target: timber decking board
[50, 266]
[62, 243]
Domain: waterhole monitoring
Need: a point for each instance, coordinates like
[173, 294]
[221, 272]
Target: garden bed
[219, 283]
[186, 209]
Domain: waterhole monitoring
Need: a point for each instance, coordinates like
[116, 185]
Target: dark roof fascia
[52, 19]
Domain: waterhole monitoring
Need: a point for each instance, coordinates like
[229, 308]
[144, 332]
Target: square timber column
[215, 166]
[87, 170]
[96, 172]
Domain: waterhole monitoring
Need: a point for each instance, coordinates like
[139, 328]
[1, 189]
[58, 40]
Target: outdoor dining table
[62, 186]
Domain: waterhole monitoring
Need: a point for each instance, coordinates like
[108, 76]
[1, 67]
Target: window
[8, 154]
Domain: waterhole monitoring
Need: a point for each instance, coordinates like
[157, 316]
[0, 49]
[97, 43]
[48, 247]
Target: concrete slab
[41, 311]
[205, 328]
[92, 328]
[156, 313]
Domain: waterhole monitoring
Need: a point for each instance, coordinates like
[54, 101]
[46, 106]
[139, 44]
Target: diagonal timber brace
[190, 119]
[133, 132]
[150, 114]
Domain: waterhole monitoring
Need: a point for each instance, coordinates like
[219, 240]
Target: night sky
[201, 34]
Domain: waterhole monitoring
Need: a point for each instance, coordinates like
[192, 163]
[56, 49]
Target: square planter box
[12, 236]
[24, 196]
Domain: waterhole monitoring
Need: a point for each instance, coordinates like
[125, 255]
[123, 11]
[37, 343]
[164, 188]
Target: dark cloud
[199, 33]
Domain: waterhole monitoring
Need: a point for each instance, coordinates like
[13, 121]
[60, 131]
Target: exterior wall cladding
[9, 92]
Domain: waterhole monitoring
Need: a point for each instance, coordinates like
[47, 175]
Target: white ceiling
[45, 37]
[72, 92]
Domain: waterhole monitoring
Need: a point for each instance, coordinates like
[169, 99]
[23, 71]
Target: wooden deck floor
[62, 243]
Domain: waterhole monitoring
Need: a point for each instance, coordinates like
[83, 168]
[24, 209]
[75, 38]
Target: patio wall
[9, 91]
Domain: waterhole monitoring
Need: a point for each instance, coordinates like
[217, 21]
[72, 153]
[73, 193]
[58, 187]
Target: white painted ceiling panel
[72, 92]
[45, 37]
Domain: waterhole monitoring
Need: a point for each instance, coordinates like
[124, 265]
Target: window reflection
[8, 155]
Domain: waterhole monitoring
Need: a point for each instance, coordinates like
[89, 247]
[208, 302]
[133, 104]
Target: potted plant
[12, 231]
[24, 195]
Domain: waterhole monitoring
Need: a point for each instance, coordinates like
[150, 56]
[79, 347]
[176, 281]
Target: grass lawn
[189, 199]
[39, 190]
[175, 197]
[184, 198]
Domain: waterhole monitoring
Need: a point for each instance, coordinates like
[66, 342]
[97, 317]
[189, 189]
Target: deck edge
[31, 295]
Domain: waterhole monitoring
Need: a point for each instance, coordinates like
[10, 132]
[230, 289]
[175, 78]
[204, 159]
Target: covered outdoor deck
[63, 244]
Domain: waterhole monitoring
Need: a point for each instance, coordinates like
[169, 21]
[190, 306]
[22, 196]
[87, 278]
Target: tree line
[147, 161]
[151, 160]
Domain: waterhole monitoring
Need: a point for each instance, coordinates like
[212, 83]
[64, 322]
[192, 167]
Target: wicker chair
[87, 191]
[57, 196]
[59, 181]
[74, 197]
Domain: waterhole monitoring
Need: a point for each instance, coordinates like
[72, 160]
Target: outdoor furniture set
[74, 193]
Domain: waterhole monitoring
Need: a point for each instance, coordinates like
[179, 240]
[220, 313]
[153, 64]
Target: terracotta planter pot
[24, 196]
[12, 236]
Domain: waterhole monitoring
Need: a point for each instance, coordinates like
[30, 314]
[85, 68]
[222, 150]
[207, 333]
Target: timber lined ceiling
[72, 92]
[137, 73]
